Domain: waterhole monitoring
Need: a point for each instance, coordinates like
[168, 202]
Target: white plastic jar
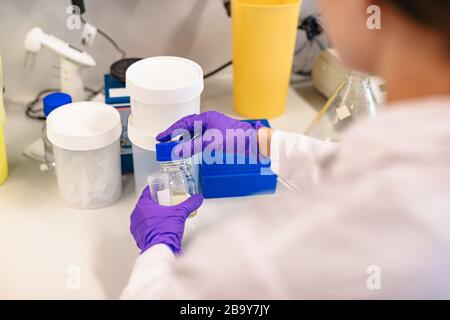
[85, 137]
[163, 90]
[144, 156]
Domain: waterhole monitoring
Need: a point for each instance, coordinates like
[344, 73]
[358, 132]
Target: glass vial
[175, 182]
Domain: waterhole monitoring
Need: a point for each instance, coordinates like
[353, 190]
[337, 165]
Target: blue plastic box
[235, 180]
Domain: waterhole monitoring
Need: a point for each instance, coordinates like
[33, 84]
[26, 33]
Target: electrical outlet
[88, 35]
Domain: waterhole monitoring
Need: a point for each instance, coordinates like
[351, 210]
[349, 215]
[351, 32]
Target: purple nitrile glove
[212, 124]
[153, 224]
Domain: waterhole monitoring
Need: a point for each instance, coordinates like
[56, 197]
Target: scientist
[371, 216]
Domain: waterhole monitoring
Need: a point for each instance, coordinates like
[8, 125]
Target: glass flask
[352, 100]
[175, 182]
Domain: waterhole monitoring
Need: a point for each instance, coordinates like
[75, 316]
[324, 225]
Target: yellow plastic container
[264, 34]
[3, 159]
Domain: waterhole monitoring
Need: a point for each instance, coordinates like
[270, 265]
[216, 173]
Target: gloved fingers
[145, 193]
[185, 123]
[212, 137]
[192, 204]
[258, 125]
[146, 197]
[189, 148]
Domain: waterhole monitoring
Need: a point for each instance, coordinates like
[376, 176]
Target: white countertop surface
[43, 241]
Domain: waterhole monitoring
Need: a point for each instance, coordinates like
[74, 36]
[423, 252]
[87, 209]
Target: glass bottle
[51, 102]
[175, 182]
[352, 100]
[49, 160]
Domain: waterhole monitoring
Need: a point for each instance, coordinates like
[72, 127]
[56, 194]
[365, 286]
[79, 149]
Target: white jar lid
[164, 80]
[83, 126]
[138, 138]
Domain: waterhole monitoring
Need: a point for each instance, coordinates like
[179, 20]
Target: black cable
[305, 80]
[324, 31]
[93, 92]
[302, 71]
[311, 27]
[108, 38]
[229, 63]
[30, 109]
[308, 73]
[227, 6]
[36, 113]
[302, 47]
[319, 44]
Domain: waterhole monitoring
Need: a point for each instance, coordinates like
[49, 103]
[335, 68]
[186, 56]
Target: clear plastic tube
[160, 189]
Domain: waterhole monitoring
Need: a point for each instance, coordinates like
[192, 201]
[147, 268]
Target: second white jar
[163, 90]
[144, 156]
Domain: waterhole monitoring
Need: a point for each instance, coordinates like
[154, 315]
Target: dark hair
[434, 14]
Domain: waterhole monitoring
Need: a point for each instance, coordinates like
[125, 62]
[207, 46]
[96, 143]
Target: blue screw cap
[54, 101]
[164, 151]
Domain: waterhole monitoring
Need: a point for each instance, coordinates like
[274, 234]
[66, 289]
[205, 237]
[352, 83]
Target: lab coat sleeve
[297, 159]
[149, 272]
[206, 271]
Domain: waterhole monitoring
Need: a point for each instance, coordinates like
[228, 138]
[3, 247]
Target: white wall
[196, 29]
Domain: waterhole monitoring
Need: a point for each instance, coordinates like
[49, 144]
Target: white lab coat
[370, 218]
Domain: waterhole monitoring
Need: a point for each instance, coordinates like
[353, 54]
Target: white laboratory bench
[44, 244]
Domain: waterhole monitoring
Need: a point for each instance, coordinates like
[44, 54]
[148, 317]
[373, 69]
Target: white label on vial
[164, 197]
[343, 112]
